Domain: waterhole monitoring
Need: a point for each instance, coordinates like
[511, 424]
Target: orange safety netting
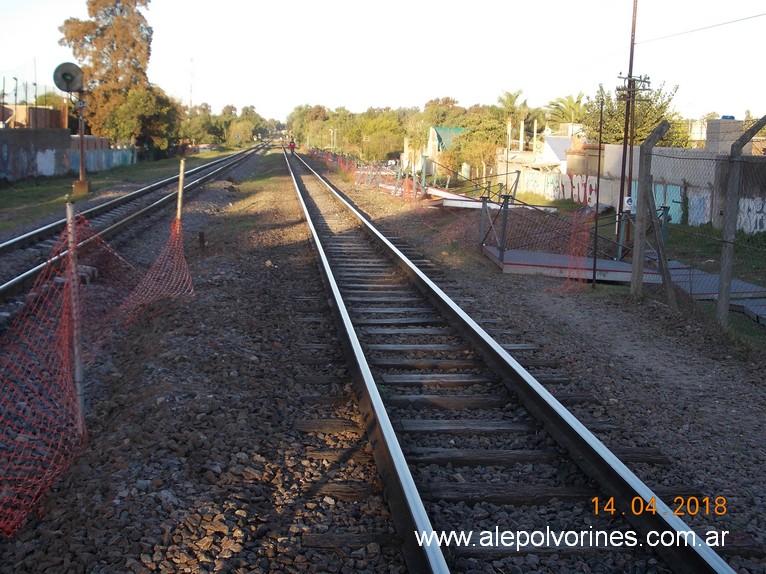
[41, 421]
[168, 277]
[579, 268]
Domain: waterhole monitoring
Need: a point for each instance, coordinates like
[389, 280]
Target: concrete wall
[30, 153]
[692, 183]
[49, 152]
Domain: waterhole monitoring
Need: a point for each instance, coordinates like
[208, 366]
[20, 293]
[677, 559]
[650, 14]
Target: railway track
[490, 463]
[24, 256]
[238, 483]
[465, 434]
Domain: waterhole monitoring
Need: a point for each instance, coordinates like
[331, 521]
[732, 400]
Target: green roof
[447, 135]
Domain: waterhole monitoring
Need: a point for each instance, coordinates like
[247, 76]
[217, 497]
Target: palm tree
[570, 109]
[513, 109]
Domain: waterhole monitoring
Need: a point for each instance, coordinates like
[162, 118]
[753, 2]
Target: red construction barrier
[168, 277]
[41, 422]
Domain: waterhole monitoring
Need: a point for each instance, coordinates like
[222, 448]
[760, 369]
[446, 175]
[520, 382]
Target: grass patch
[269, 176]
[606, 289]
[701, 247]
[40, 198]
[271, 164]
[742, 329]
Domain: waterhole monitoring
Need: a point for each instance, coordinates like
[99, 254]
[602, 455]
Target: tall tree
[148, 119]
[570, 109]
[303, 120]
[199, 127]
[516, 111]
[650, 109]
[513, 109]
[442, 112]
[114, 45]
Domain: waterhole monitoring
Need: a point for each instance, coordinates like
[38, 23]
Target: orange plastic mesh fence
[41, 427]
[579, 268]
[336, 162]
[347, 166]
[168, 277]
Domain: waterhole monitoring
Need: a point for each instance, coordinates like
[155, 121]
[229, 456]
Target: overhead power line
[700, 29]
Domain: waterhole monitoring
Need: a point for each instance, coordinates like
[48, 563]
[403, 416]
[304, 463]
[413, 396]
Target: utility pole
[630, 100]
[631, 86]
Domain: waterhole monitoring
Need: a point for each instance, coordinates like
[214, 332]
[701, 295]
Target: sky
[278, 55]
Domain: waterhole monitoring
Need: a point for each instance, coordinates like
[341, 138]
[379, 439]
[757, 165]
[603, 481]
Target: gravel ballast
[193, 464]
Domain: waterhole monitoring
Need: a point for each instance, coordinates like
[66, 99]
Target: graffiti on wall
[752, 214]
[579, 188]
[4, 161]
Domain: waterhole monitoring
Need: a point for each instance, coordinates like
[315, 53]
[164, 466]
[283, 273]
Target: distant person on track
[292, 147]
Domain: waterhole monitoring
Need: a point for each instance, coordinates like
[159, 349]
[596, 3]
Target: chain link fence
[712, 215]
[28, 104]
[702, 232]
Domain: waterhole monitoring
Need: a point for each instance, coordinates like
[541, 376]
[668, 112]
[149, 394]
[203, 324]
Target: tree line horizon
[114, 47]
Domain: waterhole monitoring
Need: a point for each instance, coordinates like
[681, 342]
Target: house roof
[559, 145]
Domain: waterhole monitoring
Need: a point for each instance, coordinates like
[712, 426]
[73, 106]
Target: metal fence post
[731, 210]
[180, 200]
[73, 279]
[642, 207]
[504, 229]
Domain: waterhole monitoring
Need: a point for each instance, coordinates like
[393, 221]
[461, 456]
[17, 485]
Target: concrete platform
[753, 308]
[703, 285]
[746, 297]
[555, 265]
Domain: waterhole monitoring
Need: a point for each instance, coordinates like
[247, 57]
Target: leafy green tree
[305, 122]
[449, 162]
[380, 146]
[486, 124]
[651, 108]
[442, 112]
[199, 127]
[229, 111]
[114, 45]
[516, 111]
[50, 99]
[259, 126]
[241, 133]
[381, 134]
[223, 122]
[148, 119]
[273, 126]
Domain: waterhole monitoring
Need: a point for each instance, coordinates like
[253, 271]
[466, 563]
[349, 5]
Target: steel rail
[409, 514]
[20, 280]
[586, 449]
